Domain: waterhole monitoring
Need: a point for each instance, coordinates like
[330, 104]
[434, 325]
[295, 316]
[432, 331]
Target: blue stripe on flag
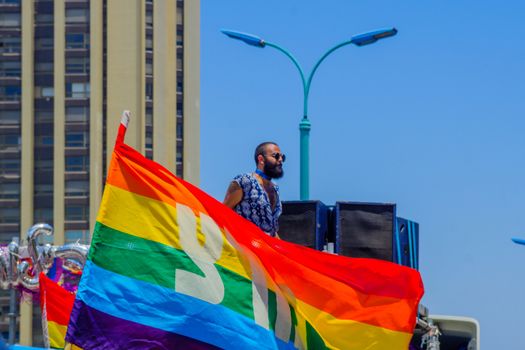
[165, 309]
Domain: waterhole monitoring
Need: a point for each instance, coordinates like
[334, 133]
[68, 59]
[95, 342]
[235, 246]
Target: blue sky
[432, 119]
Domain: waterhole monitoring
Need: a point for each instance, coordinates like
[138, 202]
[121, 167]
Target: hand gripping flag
[172, 268]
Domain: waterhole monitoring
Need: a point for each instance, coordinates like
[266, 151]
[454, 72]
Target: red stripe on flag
[57, 300]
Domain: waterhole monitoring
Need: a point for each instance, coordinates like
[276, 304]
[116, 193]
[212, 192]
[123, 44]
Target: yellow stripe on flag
[57, 334]
[154, 220]
[357, 335]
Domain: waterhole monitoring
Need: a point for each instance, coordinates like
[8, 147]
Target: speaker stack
[355, 229]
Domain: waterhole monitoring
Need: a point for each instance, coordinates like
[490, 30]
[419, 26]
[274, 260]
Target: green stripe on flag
[156, 263]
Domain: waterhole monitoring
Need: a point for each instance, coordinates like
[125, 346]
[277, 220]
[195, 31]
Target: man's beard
[273, 171]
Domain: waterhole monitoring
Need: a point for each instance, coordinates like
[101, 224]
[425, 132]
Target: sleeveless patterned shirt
[255, 204]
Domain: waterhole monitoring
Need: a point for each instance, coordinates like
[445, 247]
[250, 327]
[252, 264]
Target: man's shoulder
[244, 176]
[244, 180]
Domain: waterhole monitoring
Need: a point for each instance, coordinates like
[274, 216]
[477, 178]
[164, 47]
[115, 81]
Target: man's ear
[260, 159]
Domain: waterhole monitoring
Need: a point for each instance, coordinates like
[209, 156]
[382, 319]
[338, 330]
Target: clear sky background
[431, 119]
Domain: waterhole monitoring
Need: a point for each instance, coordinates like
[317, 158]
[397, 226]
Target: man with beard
[253, 195]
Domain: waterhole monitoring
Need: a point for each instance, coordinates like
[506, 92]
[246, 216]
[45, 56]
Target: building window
[149, 42]
[44, 67]
[44, 91]
[44, 165]
[9, 19]
[9, 166]
[149, 91]
[9, 215]
[10, 68]
[77, 163]
[9, 191]
[76, 188]
[43, 116]
[74, 16]
[76, 213]
[43, 189]
[9, 117]
[180, 131]
[180, 40]
[10, 142]
[149, 117]
[80, 236]
[43, 215]
[149, 140]
[77, 139]
[14, 2]
[44, 18]
[149, 19]
[44, 140]
[149, 67]
[77, 90]
[43, 43]
[77, 65]
[10, 44]
[77, 41]
[10, 92]
[77, 114]
[179, 152]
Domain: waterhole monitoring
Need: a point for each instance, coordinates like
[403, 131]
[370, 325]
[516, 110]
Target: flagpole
[12, 316]
[13, 249]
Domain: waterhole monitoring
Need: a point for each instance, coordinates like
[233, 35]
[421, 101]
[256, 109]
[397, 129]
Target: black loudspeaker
[406, 247]
[364, 230]
[304, 223]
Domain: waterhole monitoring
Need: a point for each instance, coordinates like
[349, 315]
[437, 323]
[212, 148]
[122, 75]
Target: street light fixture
[518, 240]
[372, 37]
[247, 38]
[305, 125]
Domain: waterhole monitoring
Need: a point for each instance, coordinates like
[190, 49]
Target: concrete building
[67, 70]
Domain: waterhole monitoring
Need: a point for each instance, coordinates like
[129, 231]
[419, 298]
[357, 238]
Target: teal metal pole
[305, 126]
[304, 130]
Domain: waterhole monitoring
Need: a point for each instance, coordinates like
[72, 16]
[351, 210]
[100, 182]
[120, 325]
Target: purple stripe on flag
[90, 328]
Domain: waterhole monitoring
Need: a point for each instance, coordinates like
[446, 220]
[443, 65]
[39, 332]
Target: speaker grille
[365, 230]
[299, 223]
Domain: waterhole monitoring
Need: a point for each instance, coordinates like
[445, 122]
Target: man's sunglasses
[277, 156]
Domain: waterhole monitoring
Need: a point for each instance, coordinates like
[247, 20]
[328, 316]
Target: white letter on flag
[210, 287]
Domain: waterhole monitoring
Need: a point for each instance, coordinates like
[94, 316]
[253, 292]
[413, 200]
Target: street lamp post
[305, 125]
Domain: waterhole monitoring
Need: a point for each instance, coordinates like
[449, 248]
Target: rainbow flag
[172, 268]
[56, 304]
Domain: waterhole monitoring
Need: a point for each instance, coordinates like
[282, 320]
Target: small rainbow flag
[172, 268]
[56, 304]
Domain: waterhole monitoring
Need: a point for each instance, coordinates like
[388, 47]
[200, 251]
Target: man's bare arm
[233, 195]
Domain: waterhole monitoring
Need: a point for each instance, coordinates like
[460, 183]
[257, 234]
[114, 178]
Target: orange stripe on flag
[127, 173]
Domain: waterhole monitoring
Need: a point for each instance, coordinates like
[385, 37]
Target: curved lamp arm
[358, 40]
[307, 86]
[298, 66]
